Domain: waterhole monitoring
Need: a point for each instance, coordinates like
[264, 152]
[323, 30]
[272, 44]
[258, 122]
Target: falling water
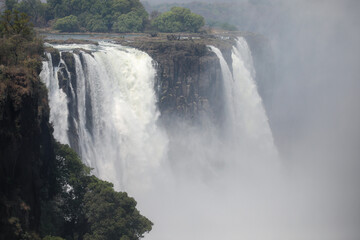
[57, 101]
[246, 120]
[183, 178]
[117, 115]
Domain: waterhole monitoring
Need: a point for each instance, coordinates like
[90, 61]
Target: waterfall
[177, 174]
[246, 118]
[115, 115]
[57, 100]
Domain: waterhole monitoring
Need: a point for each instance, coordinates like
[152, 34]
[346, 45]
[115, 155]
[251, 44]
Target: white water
[122, 131]
[246, 120]
[191, 182]
[57, 101]
[221, 185]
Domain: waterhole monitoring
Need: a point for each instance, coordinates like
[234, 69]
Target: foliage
[219, 14]
[102, 15]
[229, 27]
[94, 23]
[93, 15]
[18, 44]
[224, 26]
[67, 24]
[52, 238]
[129, 22]
[178, 19]
[57, 193]
[89, 207]
[15, 23]
[154, 14]
[112, 215]
[10, 4]
[21, 125]
[33, 8]
[121, 6]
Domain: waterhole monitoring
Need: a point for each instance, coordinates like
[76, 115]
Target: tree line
[106, 16]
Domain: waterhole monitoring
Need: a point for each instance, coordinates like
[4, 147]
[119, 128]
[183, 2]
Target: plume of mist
[316, 116]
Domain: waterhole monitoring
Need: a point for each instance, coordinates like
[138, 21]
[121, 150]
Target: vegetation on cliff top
[178, 19]
[18, 44]
[105, 16]
[218, 15]
[45, 189]
[85, 15]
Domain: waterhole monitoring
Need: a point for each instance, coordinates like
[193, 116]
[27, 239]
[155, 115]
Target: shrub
[228, 27]
[178, 19]
[52, 238]
[130, 22]
[67, 24]
[96, 24]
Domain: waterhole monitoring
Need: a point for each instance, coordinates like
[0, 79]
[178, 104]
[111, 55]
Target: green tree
[228, 27]
[62, 9]
[96, 25]
[89, 207]
[67, 24]
[16, 23]
[10, 4]
[73, 177]
[93, 15]
[178, 19]
[130, 22]
[121, 6]
[154, 14]
[52, 238]
[193, 22]
[167, 22]
[112, 215]
[18, 43]
[35, 9]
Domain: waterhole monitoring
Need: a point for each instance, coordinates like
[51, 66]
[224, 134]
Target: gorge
[186, 123]
[179, 133]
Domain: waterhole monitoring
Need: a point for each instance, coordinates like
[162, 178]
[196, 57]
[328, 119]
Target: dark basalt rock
[189, 79]
[55, 55]
[26, 153]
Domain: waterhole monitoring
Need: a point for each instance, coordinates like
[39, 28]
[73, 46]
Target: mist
[318, 111]
[312, 191]
[281, 167]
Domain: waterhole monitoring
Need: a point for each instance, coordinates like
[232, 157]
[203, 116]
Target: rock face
[26, 151]
[189, 78]
[189, 74]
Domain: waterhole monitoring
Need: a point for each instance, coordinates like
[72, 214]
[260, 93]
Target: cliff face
[189, 78]
[189, 74]
[26, 151]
